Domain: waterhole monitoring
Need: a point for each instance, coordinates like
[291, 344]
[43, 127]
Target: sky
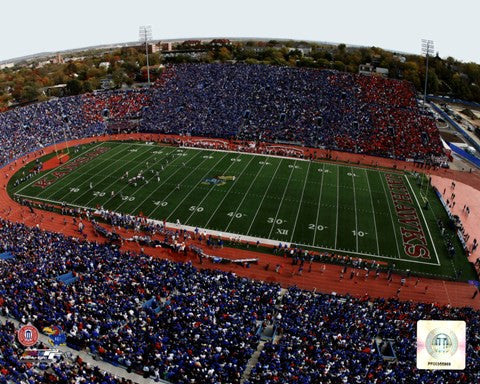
[29, 27]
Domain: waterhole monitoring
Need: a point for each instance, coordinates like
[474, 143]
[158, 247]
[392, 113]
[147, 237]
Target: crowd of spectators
[34, 126]
[14, 369]
[332, 109]
[335, 110]
[165, 320]
[171, 321]
[331, 339]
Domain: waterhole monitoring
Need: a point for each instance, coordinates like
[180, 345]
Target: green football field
[323, 206]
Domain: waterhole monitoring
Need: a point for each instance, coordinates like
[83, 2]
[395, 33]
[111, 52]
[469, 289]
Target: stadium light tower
[145, 34]
[427, 50]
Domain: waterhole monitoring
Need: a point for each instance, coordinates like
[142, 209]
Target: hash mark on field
[355, 205]
[281, 202]
[154, 153]
[373, 210]
[173, 190]
[319, 203]
[232, 162]
[56, 169]
[116, 170]
[244, 196]
[301, 199]
[338, 202]
[226, 194]
[164, 182]
[189, 193]
[67, 185]
[263, 198]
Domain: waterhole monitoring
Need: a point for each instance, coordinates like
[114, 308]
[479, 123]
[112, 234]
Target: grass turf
[316, 205]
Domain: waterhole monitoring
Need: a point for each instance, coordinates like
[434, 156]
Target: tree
[339, 66]
[224, 54]
[30, 93]
[118, 77]
[74, 87]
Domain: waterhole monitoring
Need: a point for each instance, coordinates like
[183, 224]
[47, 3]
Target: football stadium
[226, 219]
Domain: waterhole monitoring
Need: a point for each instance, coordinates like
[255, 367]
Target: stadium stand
[330, 109]
[172, 321]
[14, 370]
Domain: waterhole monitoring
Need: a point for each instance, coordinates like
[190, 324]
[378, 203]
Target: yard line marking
[243, 199]
[373, 210]
[211, 189]
[301, 199]
[391, 214]
[424, 220]
[338, 202]
[283, 197]
[231, 234]
[318, 206]
[66, 185]
[191, 190]
[168, 178]
[264, 195]
[58, 168]
[355, 207]
[126, 165]
[224, 197]
[139, 189]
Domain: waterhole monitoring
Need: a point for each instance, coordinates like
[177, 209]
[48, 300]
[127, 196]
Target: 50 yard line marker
[165, 181]
[226, 194]
[229, 189]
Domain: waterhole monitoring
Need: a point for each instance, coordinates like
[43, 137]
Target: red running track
[325, 280]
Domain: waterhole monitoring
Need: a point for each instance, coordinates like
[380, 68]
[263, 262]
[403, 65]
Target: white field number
[359, 233]
[98, 194]
[318, 227]
[272, 220]
[74, 189]
[128, 198]
[234, 215]
[194, 208]
[160, 203]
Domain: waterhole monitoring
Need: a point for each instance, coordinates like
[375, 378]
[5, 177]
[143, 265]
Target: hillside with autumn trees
[87, 71]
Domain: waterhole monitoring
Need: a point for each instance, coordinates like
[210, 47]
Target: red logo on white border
[28, 335]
